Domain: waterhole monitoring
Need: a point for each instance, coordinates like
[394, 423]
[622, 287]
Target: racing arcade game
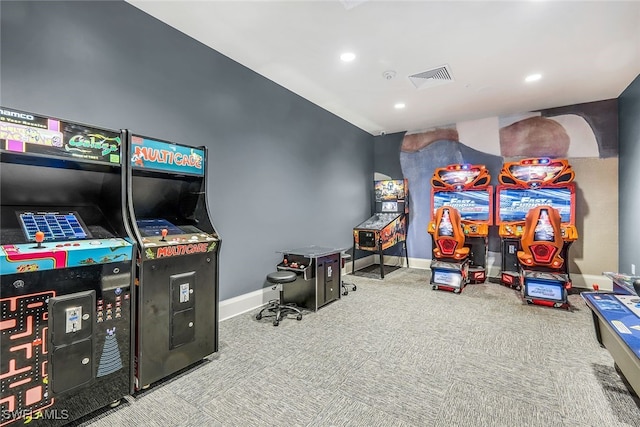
[547, 185]
[462, 203]
[177, 264]
[388, 226]
[66, 270]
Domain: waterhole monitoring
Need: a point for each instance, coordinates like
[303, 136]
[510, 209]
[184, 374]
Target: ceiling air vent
[434, 77]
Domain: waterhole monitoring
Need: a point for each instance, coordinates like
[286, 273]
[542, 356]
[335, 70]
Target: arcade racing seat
[278, 307]
[451, 257]
[448, 235]
[541, 240]
[544, 277]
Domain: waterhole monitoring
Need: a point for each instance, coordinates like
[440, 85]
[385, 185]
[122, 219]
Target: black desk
[616, 319]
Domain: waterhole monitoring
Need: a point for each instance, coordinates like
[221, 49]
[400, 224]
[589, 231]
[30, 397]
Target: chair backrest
[541, 239]
[448, 234]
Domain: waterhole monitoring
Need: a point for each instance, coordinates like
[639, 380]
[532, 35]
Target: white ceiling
[585, 50]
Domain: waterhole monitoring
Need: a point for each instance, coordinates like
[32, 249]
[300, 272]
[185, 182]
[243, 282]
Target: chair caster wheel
[434, 287]
[345, 293]
[299, 317]
[258, 316]
[354, 288]
[456, 291]
[276, 323]
[115, 403]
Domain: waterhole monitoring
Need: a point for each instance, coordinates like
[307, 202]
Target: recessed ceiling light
[533, 78]
[399, 106]
[348, 56]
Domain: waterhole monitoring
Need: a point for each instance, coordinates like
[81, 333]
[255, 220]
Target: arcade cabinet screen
[514, 203]
[153, 227]
[54, 225]
[472, 205]
[389, 206]
[543, 289]
[543, 231]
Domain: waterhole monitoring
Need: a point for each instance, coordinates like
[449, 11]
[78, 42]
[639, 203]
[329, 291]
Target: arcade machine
[462, 191]
[615, 319]
[66, 270]
[388, 226]
[524, 185]
[318, 271]
[177, 263]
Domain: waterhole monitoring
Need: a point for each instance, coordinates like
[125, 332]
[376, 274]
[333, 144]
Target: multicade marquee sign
[178, 250]
[166, 157]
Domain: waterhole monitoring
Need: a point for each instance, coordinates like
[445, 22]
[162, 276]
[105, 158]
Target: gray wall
[283, 172]
[628, 178]
[386, 151]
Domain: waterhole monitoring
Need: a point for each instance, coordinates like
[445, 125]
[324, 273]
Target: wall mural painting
[577, 131]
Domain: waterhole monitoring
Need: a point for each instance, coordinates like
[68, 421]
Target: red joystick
[39, 238]
[164, 233]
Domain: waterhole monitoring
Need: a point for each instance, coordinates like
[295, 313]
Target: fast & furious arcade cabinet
[177, 263]
[465, 188]
[388, 226]
[524, 185]
[66, 270]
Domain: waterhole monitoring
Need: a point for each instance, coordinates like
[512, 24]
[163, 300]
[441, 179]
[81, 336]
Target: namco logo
[16, 114]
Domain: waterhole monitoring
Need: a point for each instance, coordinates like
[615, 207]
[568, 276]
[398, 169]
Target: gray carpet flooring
[396, 353]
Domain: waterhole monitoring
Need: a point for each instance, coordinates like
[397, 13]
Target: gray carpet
[396, 353]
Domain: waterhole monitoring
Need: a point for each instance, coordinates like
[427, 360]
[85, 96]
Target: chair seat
[281, 277]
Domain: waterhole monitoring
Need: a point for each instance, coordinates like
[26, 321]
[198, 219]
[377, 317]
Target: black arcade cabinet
[177, 267]
[66, 271]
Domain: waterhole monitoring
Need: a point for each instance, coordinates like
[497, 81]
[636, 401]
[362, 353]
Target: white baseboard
[243, 303]
[253, 300]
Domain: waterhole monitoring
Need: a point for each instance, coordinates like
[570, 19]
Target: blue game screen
[153, 227]
[515, 203]
[472, 205]
[54, 225]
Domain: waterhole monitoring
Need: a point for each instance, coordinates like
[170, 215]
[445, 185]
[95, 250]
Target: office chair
[346, 286]
[278, 307]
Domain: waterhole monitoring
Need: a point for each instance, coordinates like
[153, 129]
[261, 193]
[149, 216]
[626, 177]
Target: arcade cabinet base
[477, 274]
[545, 288]
[510, 279]
[449, 276]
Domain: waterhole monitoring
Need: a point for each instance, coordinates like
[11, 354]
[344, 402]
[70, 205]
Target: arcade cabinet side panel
[177, 315]
[63, 353]
[393, 233]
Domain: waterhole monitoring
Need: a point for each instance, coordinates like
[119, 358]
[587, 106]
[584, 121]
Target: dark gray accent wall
[628, 178]
[386, 151]
[283, 172]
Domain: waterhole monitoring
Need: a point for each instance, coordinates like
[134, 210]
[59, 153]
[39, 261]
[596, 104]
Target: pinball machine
[66, 270]
[176, 272]
[536, 218]
[462, 190]
[388, 226]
